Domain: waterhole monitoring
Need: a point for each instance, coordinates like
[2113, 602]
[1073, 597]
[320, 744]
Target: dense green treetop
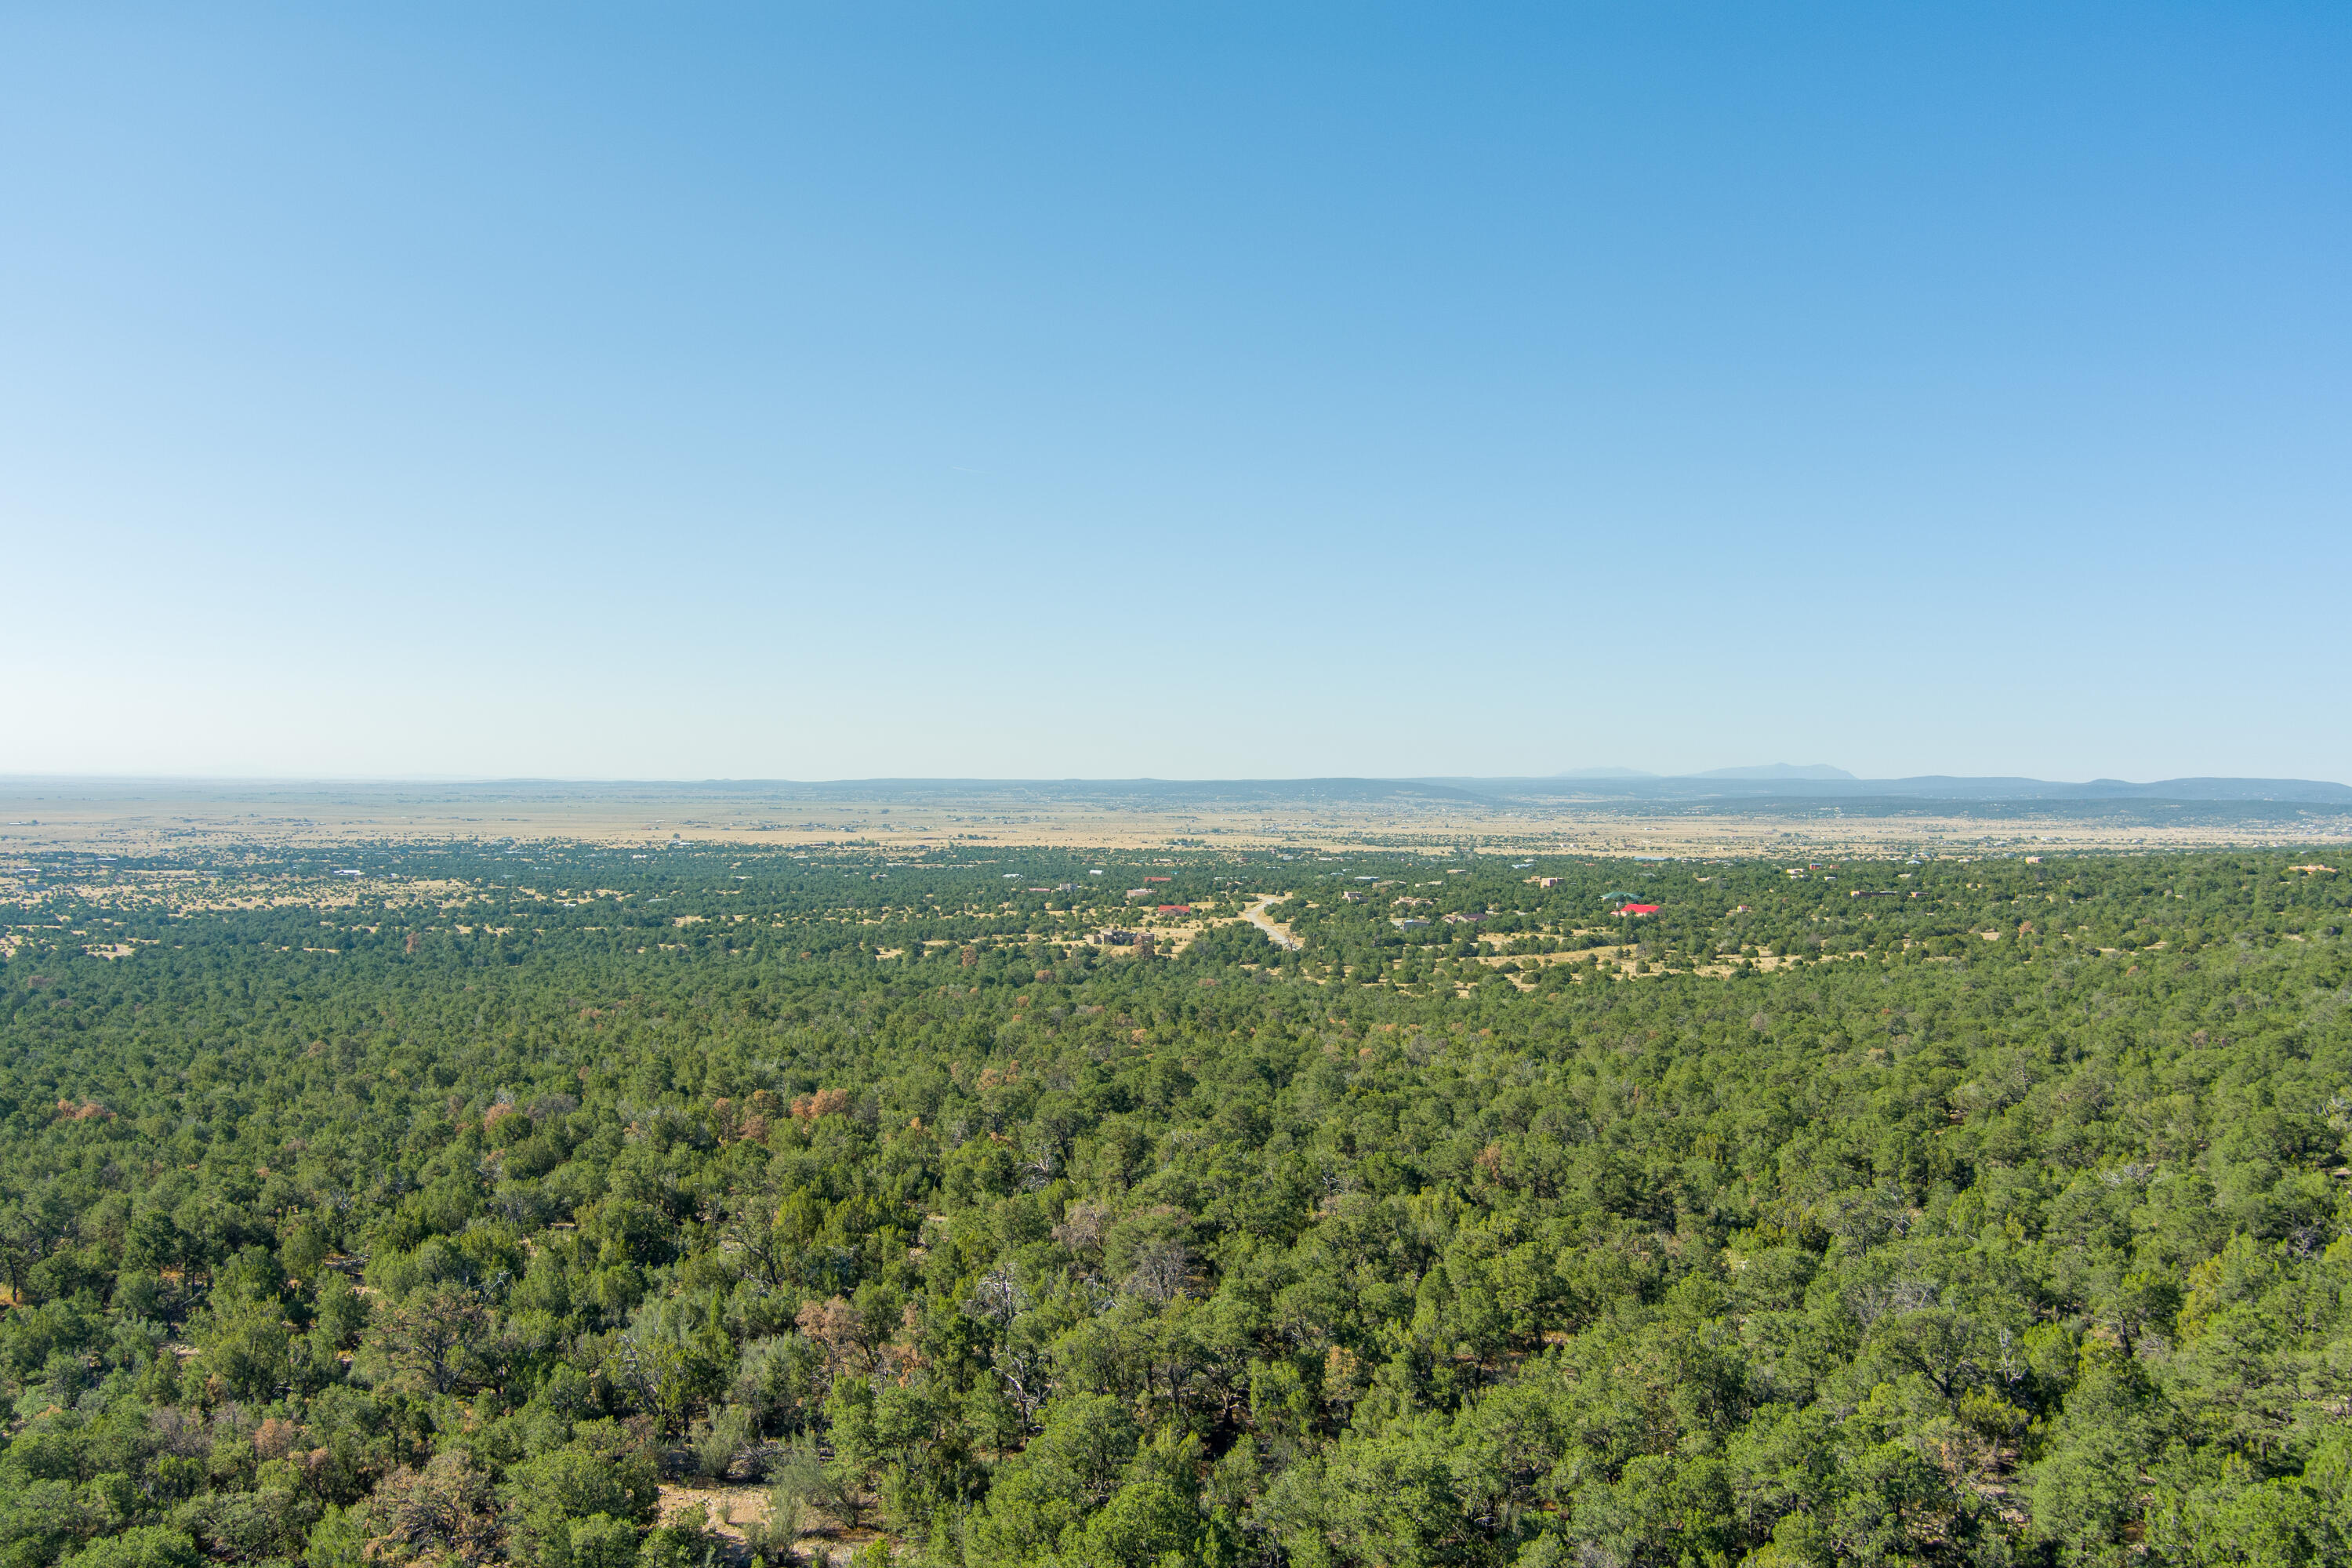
[1926, 1211]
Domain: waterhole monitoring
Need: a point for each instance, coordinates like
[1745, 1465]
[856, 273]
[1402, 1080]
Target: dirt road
[1280, 936]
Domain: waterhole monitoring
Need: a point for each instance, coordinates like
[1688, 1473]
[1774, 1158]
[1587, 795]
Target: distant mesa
[1767, 770]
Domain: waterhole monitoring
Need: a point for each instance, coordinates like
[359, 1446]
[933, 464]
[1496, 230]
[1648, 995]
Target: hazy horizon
[1597, 775]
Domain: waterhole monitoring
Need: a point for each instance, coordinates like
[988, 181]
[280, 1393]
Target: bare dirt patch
[735, 1513]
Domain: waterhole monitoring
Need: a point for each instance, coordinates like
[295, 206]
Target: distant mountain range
[1819, 781]
[1779, 781]
[1765, 788]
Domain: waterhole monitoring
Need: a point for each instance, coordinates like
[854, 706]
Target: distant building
[1550, 881]
[1112, 936]
[1458, 918]
[1174, 910]
[1637, 910]
[1409, 922]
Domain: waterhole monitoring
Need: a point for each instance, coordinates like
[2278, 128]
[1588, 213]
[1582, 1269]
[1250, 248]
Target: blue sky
[1184, 390]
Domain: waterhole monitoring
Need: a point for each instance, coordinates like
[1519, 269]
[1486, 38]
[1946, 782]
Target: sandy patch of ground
[734, 1514]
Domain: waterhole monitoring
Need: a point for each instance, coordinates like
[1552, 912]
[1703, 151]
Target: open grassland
[152, 818]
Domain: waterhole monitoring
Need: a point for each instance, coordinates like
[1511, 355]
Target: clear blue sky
[1190, 390]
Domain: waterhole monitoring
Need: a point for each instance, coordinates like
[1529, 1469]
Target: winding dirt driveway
[1280, 935]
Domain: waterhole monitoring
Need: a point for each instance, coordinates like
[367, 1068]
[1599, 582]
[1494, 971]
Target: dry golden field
[147, 817]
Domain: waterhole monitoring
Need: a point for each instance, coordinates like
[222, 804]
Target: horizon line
[1572, 777]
